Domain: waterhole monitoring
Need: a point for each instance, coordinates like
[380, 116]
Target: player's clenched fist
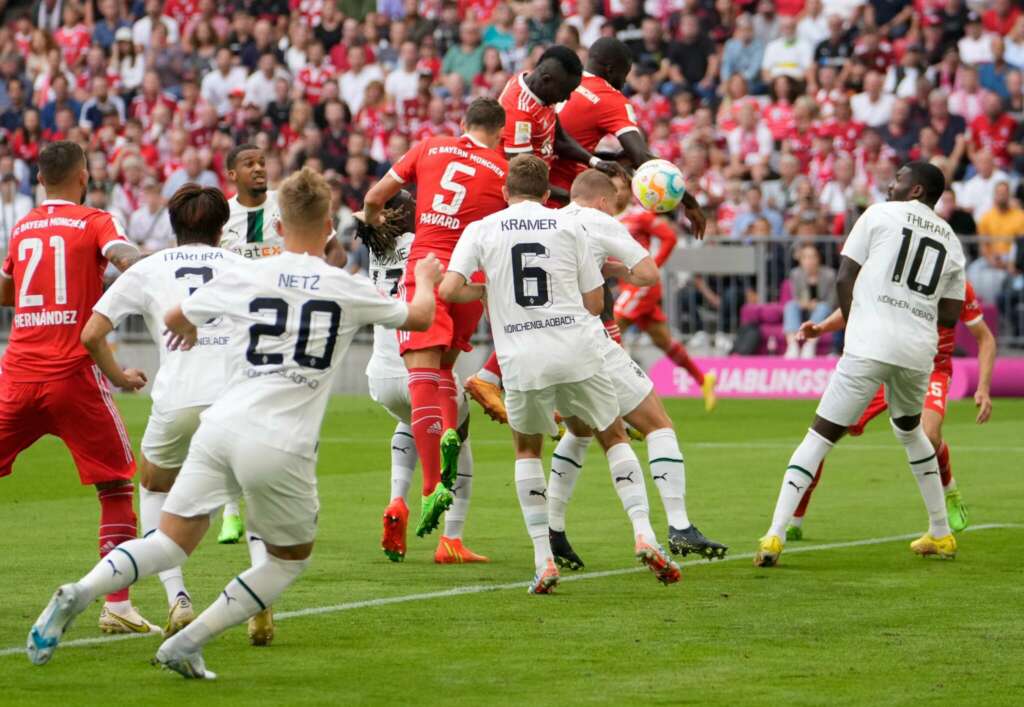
[131, 379]
[429, 269]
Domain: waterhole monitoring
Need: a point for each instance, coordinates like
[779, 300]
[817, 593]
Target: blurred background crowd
[787, 118]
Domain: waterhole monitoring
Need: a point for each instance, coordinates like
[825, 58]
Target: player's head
[484, 120]
[402, 211]
[304, 199]
[558, 73]
[596, 190]
[527, 179]
[623, 192]
[610, 59]
[63, 170]
[247, 168]
[198, 214]
[919, 181]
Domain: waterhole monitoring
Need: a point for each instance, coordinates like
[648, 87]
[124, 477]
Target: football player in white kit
[593, 206]
[389, 387]
[187, 383]
[251, 231]
[299, 315]
[544, 290]
[902, 272]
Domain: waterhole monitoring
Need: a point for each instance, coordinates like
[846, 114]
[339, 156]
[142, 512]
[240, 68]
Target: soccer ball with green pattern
[658, 185]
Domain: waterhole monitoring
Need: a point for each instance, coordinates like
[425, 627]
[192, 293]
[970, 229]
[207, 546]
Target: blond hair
[592, 184]
[527, 176]
[304, 199]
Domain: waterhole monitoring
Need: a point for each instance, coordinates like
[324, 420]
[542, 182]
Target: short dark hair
[612, 52]
[485, 113]
[198, 214]
[232, 157]
[527, 176]
[930, 178]
[59, 161]
[569, 60]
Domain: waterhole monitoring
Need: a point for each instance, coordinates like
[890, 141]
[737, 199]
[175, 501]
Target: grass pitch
[856, 619]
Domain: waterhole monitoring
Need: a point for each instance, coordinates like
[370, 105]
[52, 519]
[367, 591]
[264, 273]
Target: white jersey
[152, 286]
[537, 262]
[252, 231]
[910, 259]
[296, 316]
[387, 274]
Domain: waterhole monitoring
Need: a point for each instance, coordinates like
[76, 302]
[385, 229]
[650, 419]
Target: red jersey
[970, 313]
[648, 110]
[529, 124]
[56, 257]
[995, 135]
[143, 108]
[594, 109]
[845, 134]
[458, 181]
[779, 119]
[652, 232]
[312, 79]
[73, 42]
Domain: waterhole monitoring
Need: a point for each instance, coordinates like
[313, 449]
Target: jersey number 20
[279, 308]
[926, 244]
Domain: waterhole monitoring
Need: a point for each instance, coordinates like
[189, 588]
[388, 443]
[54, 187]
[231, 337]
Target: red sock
[426, 423]
[448, 396]
[677, 352]
[802, 508]
[612, 327]
[117, 524]
[945, 469]
[491, 364]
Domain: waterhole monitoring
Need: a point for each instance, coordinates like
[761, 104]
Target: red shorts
[934, 400]
[80, 410]
[640, 305]
[453, 327]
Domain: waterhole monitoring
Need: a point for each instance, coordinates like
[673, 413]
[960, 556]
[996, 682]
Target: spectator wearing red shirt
[151, 96]
[73, 37]
[436, 124]
[649, 105]
[181, 11]
[778, 115]
[317, 72]
[993, 130]
[845, 131]
[1001, 17]
[874, 51]
[28, 139]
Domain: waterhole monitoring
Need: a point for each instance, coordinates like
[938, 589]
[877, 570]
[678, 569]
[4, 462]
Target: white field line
[484, 588]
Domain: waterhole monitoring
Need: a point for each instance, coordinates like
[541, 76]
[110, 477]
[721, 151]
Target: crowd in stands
[786, 117]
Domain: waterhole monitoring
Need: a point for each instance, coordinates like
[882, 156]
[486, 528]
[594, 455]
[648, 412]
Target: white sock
[798, 477]
[668, 471]
[533, 501]
[925, 466]
[231, 508]
[128, 563]
[455, 518]
[244, 596]
[151, 504]
[403, 460]
[628, 480]
[488, 377]
[796, 521]
[566, 465]
[257, 549]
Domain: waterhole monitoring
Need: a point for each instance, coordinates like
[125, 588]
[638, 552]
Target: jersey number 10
[924, 245]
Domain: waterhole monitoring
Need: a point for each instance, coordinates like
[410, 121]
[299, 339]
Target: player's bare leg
[396, 515]
[427, 428]
[531, 488]
[662, 338]
[450, 548]
[485, 388]
[232, 529]
[668, 471]
[118, 524]
[956, 509]
[155, 483]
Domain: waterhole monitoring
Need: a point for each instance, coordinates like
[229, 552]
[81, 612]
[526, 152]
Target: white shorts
[168, 434]
[855, 382]
[279, 488]
[632, 384]
[393, 395]
[593, 400]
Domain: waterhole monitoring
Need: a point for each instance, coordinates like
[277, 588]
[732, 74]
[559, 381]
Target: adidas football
[658, 186]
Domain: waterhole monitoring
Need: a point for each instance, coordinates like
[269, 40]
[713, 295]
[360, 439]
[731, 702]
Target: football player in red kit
[594, 109]
[934, 403]
[52, 276]
[458, 181]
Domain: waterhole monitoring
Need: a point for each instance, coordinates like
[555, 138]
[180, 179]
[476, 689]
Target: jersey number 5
[937, 260]
[458, 191]
[530, 282]
[279, 308]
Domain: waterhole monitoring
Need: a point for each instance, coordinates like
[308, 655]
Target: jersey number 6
[277, 328]
[530, 282]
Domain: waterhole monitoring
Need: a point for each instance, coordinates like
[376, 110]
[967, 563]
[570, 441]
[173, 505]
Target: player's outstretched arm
[810, 330]
[949, 312]
[848, 271]
[567, 148]
[645, 273]
[94, 339]
[421, 310]
[123, 255]
[181, 332]
[455, 289]
[379, 194]
[986, 363]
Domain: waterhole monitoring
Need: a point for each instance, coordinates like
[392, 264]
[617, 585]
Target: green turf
[857, 625]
